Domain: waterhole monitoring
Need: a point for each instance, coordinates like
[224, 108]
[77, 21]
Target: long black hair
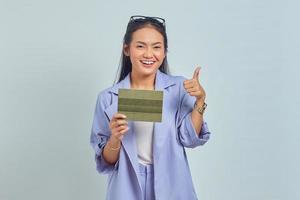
[134, 25]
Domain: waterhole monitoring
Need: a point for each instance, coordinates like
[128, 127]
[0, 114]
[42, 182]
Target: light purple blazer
[172, 177]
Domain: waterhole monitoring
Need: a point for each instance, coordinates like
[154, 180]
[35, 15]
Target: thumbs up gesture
[193, 87]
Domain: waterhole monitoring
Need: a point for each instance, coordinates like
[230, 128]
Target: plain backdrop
[56, 56]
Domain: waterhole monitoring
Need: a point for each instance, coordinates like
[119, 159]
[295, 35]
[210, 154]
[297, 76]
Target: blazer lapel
[129, 141]
[162, 82]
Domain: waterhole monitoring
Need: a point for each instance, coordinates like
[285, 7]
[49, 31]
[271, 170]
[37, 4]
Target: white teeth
[147, 62]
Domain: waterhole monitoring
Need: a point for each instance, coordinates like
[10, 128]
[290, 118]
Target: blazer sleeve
[187, 135]
[100, 133]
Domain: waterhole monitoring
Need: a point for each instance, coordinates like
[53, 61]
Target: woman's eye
[157, 47]
[139, 46]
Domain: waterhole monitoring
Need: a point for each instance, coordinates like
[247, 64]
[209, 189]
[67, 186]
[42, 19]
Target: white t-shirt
[144, 134]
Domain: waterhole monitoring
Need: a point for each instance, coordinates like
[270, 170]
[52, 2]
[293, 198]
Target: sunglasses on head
[141, 18]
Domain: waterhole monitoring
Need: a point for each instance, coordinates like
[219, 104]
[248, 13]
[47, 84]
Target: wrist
[114, 143]
[200, 101]
[200, 106]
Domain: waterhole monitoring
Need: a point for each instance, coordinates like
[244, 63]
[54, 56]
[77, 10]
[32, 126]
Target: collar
[162, 81]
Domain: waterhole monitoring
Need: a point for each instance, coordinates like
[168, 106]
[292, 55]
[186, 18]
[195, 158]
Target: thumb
[196, 73]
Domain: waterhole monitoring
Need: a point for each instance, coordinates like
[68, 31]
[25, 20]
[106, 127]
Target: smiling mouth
[147, 63]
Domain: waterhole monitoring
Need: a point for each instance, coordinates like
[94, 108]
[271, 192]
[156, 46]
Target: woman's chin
[147, 71]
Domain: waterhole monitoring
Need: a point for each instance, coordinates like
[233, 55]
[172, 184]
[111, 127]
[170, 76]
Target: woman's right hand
[118, 126]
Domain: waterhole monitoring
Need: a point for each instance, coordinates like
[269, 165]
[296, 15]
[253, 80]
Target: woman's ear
[126, 50]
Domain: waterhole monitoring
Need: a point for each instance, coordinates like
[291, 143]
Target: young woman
[147, 160]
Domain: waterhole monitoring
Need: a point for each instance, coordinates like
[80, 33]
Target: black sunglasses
[141, 17]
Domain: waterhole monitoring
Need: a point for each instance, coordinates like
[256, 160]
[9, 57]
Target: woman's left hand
[193, 87]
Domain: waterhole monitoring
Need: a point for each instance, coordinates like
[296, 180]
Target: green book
[141, 105]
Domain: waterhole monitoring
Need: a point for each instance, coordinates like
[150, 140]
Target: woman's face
[146, 51]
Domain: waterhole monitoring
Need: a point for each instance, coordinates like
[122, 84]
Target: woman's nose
[148, 53]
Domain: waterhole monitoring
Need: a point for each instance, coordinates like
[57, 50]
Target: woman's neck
[142, 82]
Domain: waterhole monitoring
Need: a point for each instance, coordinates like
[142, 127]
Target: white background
[55, 56]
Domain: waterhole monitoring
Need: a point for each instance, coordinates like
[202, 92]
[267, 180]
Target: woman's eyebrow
[146, 43]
